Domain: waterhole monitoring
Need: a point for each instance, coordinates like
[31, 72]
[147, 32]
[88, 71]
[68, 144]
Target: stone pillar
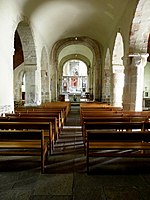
[138, 62]
[44, 86]
[127, 86]
[30, 86]
[134, 74]
[53, 86]
[118, 83]
[106, 85]
[97, 85]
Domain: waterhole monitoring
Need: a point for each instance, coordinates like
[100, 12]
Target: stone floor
[66, 178]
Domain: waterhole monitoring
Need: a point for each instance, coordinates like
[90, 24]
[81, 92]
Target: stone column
[97, 87]
[138, 62]
[127, 86]
[44, 86]
[118, 81]
[134, 73]
[30, 86]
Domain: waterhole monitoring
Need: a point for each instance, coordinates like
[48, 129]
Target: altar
[74, 97]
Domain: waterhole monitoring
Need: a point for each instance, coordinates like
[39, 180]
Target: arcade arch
[28, 66]
[135, 62]
[59, 51]
[118, 71]
[74, 82]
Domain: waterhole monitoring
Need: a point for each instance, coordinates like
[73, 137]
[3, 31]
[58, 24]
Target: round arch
[74, 82]
[118, 71]
[95, 71]
[140, 28]
[28, 67]
[71, 57]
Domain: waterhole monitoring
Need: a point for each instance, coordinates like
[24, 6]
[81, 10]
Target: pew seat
[117, 144]
[45, 126]
[24, 143]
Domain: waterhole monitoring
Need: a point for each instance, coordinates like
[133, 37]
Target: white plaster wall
[7, 24]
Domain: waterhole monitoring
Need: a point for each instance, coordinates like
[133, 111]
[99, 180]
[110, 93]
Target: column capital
[126, 60]
[30, 68]
[139, 59]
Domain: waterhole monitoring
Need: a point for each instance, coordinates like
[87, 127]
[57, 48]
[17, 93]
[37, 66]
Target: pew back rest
[113, 125]
[24, 142]
[117, 144]
[21, 135]
[115, 136]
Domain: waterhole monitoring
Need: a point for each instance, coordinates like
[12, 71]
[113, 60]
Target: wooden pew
[113, 126]
[53, 120]
[23, 143]
[61, 112]
[119, 144]
[45, 126]
[104, 119]
[63, 106]
[96, 113]
[58, 104]
[133, 115]
[38, 114]
[113, 119]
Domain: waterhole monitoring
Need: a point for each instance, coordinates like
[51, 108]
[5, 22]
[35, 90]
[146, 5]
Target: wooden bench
[37, 114]
[95, 113]
[63, 107]
[119, 144]
[113, 126]
[104, 119]
[53, 120]
[112, 119]
[104, 113]
[45, 126]
[42, 114]
[123, 115]
[51, 111]
[24, 143]
[58, 104]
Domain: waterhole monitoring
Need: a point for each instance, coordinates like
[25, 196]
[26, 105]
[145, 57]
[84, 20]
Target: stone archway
[118, 71]
[137, 58]
[140, 28]
[95, 66]
[28, 67]
[72, 57]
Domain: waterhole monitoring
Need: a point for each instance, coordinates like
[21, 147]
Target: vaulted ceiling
[58, 19]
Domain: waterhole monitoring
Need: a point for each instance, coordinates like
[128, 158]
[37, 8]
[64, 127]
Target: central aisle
[68, 154]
